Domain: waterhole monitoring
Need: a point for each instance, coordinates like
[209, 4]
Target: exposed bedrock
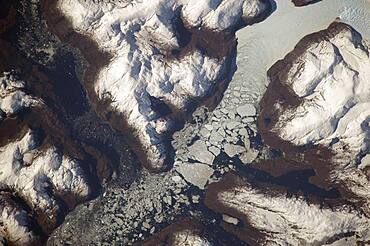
[153, 62]
[317, 110]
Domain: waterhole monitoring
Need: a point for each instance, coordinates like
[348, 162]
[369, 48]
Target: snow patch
[13, 98]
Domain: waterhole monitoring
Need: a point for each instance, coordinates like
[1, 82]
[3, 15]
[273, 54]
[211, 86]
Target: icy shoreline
[261, 45]
[162, 62]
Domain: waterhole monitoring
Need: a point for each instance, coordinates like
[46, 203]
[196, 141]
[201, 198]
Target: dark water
[4, 8]
[294, 181]
[66, 85]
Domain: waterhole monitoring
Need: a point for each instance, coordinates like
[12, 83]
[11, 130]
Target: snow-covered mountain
[319, 96]
[316, 111]
[37, 168]
[272, 217]
[164, 59]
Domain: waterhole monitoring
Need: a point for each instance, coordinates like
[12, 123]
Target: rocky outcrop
[316, 109]
[152, 63]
